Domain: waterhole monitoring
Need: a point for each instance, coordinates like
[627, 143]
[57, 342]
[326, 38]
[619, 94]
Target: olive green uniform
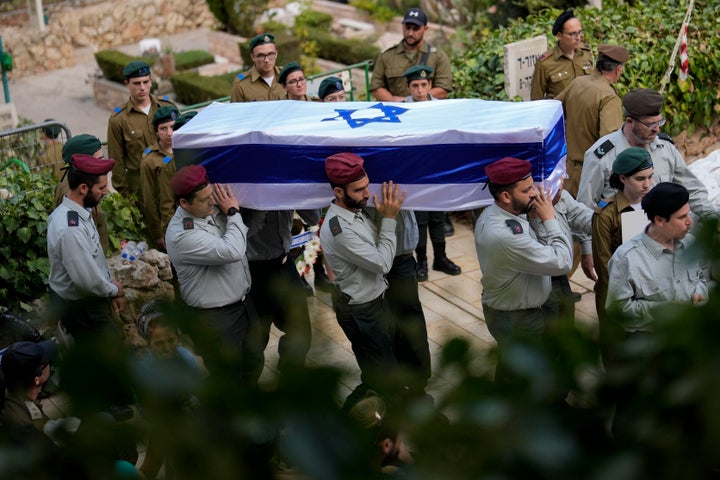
[593, 109]
[606, 238]
[156, 169]
[393, 62]
[554, 71]
[52, 157]
[130, 131]
[252, 88]
[97, 213]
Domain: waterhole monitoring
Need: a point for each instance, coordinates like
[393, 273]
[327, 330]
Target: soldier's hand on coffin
[392, 200]
[224, 197]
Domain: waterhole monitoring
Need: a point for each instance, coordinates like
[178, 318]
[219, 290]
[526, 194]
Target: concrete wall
[100, 27]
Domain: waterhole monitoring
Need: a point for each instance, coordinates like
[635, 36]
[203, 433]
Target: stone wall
[100, 26]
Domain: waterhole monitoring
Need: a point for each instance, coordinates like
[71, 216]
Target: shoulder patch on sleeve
[666, 137]
[603, 149]
[601, 205]
[73, 218]
[335, 227]
[188, 223]
[514, 225]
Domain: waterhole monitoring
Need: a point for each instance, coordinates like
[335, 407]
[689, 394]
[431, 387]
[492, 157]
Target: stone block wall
[100, 26]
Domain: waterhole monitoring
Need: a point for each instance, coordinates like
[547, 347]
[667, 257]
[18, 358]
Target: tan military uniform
[156, 169]
[593, 109]
[606, 238]
[52, 157]
[554, 71]
[130, 132]
[97, 213]
[252, 88]
[393, 62]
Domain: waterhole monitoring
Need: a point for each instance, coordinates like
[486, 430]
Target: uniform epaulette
[603, 149]
[545, 55]
[73, 218]
[335, 227]
[167, 159]
[514, 225]
[585, 46]
[241, 75]
[602, 204]
[666, 137]
[117, 110]
[165, 98]
[147, 150]
[433, 49]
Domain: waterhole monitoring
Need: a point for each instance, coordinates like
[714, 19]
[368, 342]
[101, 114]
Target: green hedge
[191, 88]
[347, 51]
[112, 62]
[648, 30]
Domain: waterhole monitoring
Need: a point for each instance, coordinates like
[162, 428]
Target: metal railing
[32, 148]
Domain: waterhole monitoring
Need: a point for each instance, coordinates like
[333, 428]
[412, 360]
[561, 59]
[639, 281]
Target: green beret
[631, 160]
[136, 68]
[418, 72]
[642, 102]
[184, 118]
[51, 131]
[164, 114]
[83, 143]
[287, 70]
[330, 85]
[664, 199]
[261, 39]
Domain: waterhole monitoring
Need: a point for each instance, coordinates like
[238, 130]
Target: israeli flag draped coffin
[273, 153]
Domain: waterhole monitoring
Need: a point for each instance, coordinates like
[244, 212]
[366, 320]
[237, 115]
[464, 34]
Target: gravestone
[520, 58]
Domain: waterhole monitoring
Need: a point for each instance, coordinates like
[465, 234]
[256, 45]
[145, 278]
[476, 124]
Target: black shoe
[445, 265]
[449, 228]
[422, 271]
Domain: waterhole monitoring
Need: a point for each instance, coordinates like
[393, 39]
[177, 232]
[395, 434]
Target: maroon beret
[188, 179]
[344, 168]
[91, 165]
[508, 171]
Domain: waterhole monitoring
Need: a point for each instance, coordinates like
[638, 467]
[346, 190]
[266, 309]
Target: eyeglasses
[574, 34]
[296, 81]
[266, 56]
[652, 125]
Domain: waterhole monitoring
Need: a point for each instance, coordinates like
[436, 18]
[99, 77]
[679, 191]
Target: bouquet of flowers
[309, 253]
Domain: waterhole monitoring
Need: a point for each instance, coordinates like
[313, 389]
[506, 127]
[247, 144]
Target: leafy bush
[24, 266]
[347, 51]
[191, 88]
[648, 30]
[124, 220]
[192, 59]
[112, 62]
[238, 16]
[312, 19]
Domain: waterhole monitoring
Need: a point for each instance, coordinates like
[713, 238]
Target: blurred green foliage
[238, 16]
[648, 30]
[124, 220]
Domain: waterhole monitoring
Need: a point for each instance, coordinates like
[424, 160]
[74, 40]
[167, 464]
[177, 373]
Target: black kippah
[560, 21]
[664, 199]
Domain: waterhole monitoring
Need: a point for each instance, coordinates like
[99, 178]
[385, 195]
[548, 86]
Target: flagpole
[671, 66]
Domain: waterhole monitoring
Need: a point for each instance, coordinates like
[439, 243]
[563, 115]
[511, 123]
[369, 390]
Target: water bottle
[128, 250]
[138, 251]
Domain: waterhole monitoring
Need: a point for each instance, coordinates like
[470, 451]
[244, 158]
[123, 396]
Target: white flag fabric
[273, 153]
